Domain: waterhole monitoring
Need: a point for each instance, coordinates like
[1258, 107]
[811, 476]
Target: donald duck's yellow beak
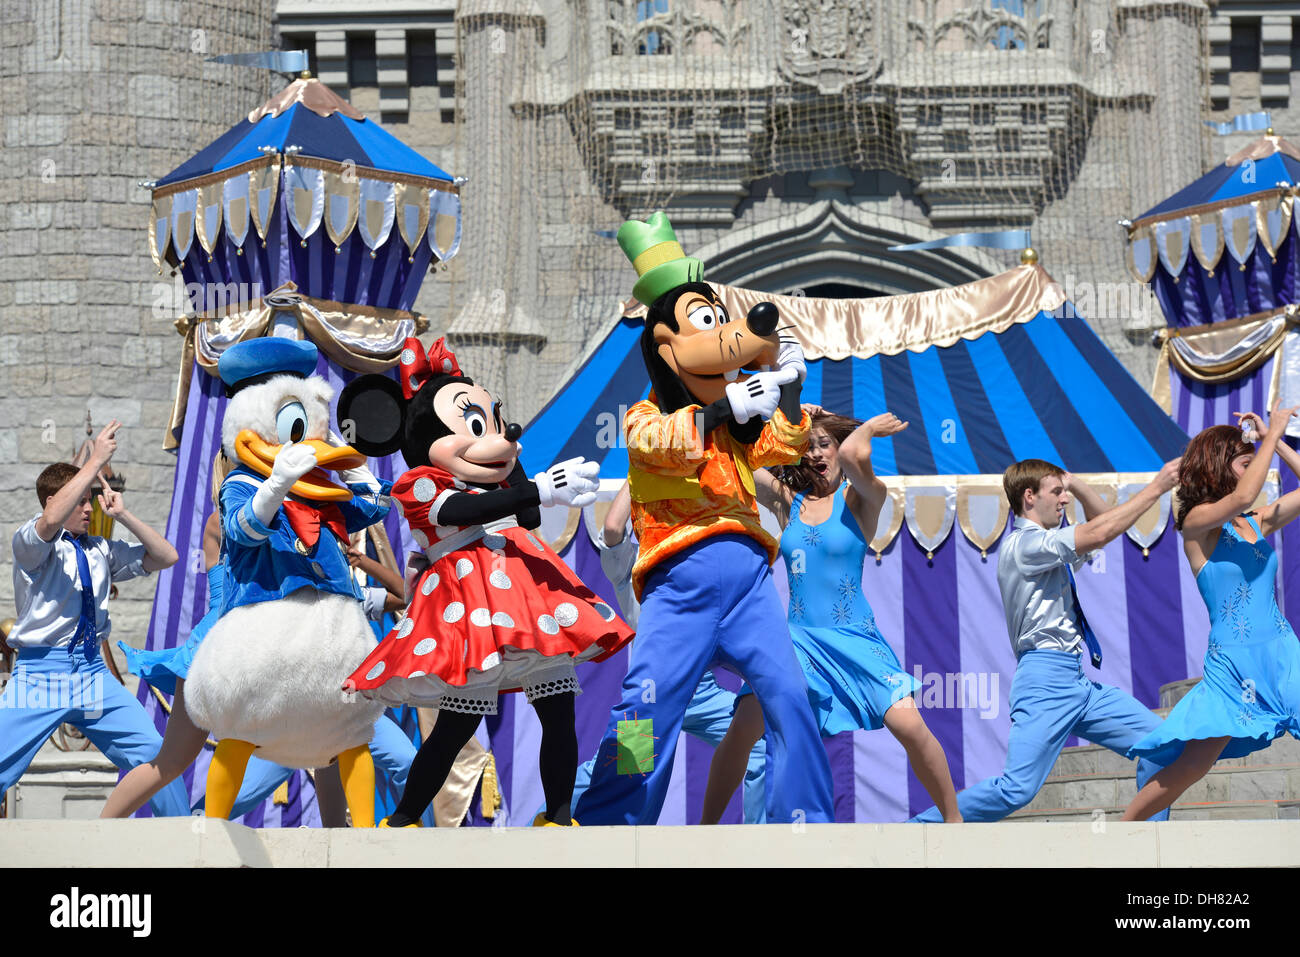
[259, 455]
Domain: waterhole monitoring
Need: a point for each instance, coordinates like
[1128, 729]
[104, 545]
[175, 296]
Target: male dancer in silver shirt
[1051, 697]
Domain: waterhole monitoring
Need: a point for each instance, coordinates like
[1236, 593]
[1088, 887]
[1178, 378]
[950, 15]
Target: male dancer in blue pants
[1051, 697]
[62, 577]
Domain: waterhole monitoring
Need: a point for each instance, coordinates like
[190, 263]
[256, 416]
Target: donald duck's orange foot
[384, 823]
[542, 821]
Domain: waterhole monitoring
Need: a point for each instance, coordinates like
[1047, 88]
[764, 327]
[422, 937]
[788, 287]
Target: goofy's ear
[372, 415]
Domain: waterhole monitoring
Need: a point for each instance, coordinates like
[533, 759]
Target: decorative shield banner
[377, 211]
[1207, 240]
[341, 204]
[234, 201]
[1141, 254]
[1107, 491]
[208, 221]
[929, 513]
[444, 223]
[1239, 232]
[1173, 243]
[160, 229]
[263, 185]
[305, 189]
[412, 215]
[1273, 219]
[183, 208]
[1151, 524]
[982, 512]
[889, 521]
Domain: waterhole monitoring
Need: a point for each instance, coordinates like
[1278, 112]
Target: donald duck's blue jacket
[266, 562]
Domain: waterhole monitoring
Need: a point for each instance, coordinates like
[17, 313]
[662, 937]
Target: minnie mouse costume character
[496, 610]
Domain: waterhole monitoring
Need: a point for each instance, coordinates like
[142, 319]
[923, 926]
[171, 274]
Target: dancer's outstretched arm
[1110, 525]
[773, 495]
[620, 510]
[1210, 515]
[1287, 507]
[867, 492]
[1094, 506]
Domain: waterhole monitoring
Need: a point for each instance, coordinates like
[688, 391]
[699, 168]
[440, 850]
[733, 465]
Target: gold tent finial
[1028, 256]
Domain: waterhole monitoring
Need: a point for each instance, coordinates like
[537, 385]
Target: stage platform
[199, 842]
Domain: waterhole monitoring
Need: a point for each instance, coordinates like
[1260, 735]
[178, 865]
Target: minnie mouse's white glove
[759, 395]
[571, 482]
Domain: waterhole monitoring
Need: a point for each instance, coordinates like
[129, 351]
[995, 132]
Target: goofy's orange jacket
[684, 490]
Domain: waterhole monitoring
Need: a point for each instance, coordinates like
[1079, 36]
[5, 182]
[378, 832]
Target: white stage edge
[198, 842]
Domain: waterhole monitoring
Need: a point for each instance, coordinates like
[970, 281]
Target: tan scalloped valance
[888, 325]
[359, 338]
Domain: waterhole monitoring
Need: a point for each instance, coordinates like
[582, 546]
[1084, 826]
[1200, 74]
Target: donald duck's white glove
[291, 463]
[571, 482]
[361, 475]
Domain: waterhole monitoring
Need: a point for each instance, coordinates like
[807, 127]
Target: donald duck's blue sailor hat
[256, 360]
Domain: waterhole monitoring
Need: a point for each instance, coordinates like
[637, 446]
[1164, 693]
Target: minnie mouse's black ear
[372, 415]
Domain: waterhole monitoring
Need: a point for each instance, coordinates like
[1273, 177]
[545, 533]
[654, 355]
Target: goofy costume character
[703, 573]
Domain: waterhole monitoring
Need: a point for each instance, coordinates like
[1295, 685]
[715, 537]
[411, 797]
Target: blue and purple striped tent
[1018, 376]
[1044, 387]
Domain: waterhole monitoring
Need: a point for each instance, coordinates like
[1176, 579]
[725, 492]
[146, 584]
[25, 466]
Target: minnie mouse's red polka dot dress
[496, 611]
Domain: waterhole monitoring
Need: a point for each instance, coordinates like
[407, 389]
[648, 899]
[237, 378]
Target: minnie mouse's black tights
[557, 760]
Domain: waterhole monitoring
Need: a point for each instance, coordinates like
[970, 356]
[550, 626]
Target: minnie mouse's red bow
[417, 367]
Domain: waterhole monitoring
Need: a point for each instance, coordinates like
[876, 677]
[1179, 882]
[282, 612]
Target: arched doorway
[839, 248]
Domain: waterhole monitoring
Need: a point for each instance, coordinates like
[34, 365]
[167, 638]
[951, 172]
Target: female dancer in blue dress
[1251, 690]
[854, 678]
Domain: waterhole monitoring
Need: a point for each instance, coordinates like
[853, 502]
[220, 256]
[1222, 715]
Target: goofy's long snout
[762, 319]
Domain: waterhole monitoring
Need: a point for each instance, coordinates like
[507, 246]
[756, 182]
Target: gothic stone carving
[830, 44]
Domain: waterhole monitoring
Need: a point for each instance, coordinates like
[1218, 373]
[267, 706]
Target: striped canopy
[335, 137]
[1042, 388]
[1231, 180]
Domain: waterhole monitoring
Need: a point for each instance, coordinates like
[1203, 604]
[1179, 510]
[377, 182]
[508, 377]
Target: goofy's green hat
[657, 256]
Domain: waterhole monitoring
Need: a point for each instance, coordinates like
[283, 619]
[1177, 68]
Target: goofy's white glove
[571, 482]
[790, 356]
[291, 463]
[759, 395]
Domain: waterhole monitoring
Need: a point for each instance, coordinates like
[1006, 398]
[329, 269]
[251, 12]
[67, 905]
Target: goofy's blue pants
[712, 603]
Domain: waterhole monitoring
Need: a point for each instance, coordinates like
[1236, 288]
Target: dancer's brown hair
[1205, 474]
[804, 478]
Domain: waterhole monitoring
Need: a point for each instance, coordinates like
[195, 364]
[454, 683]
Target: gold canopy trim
[1217, 338]
[1262, 148]
[358, 338]
[311, 93]
[339, 181]
[1268, 192]
[888, 325]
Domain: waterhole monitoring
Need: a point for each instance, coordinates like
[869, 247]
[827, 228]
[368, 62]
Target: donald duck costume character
[292, 628]
[716, 411]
